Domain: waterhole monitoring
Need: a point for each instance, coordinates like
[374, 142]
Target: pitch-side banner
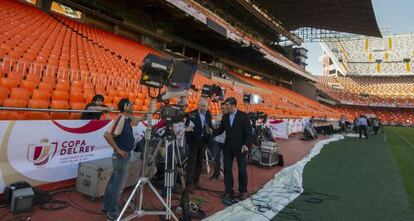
[295, 126]
[279, 128]
[42, 152]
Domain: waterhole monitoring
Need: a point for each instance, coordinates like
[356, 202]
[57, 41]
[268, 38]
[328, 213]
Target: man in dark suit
[238, 130]
[197, 138]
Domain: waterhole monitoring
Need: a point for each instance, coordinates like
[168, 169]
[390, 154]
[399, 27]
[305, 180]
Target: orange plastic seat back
[35, 115]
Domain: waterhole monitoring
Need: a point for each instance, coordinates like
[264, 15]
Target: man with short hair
[121, 138]
[197, 139]
[342, 123]
[362, 125]
[238, 140]
[97, 105]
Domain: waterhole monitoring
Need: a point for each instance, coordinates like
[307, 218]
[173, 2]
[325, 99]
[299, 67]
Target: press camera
[172, 114]
[214, 92]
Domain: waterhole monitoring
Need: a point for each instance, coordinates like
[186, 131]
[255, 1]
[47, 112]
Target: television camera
[214, 92]
[265, 151]
[172, 114]
[256, 116]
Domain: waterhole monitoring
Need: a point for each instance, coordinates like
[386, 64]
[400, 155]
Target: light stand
[144, 180]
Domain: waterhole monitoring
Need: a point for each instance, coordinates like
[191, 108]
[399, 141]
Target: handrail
[61, 73]
[96, 111]
[62, 110]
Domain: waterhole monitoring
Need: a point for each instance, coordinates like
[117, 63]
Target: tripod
[144, 180]
[172, 158]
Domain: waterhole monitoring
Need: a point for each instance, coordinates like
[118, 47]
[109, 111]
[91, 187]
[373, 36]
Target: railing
[42, 70]
[135, 112]
[63, 110]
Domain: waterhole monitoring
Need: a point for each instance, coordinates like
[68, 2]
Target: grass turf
[401, 142]
[352, 179]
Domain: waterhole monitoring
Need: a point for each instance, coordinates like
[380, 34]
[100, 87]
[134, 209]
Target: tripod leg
[138, 185]
[169, 172]
[207, 162]
[179, 162]
[163, 202]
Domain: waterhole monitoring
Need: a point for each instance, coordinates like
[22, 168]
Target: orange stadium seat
[60, 95]
[32, 115]
[33, 77]
[76, 90]
[20, 94]
[29, 85]
[13, 115]
[77, 97]
[4, 93]
[49, 79]
[77, 106]
[62, 87]
[15, 75]
[77, 84]
[39, 94]
[59, 104]
[9, 83]
[45, 86]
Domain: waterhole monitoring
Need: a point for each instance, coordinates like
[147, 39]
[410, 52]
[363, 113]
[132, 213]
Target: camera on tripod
[214, 92]
[265, 151]
[172, 114]
[177, 76]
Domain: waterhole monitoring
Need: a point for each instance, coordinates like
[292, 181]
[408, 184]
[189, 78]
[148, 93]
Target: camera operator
[197, 139]
[121, 138]
[218, 145]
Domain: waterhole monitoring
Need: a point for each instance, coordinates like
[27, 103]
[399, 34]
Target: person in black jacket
[238, 140]
[97, 105]
[197, 138]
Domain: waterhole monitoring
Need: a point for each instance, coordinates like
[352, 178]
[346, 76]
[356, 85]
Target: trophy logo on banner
[39, 154]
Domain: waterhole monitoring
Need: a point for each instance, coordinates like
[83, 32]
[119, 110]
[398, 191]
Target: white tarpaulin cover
[277, 193]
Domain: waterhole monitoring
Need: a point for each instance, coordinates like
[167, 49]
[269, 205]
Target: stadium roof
[352, 16]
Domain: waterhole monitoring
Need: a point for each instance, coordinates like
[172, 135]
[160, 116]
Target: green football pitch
[355, 179]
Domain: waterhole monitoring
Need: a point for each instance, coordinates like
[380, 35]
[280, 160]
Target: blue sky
[396, 14]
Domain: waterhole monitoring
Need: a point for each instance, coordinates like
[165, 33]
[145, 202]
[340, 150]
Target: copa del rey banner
[279, 128]
[42, 152]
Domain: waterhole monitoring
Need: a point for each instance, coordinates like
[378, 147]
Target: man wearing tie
[238, 130]
[197, 138]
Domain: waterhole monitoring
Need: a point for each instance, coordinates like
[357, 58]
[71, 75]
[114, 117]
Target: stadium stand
[49, 61]
[390, 55]
[377, 76]
[394, 116]
[369, 90]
